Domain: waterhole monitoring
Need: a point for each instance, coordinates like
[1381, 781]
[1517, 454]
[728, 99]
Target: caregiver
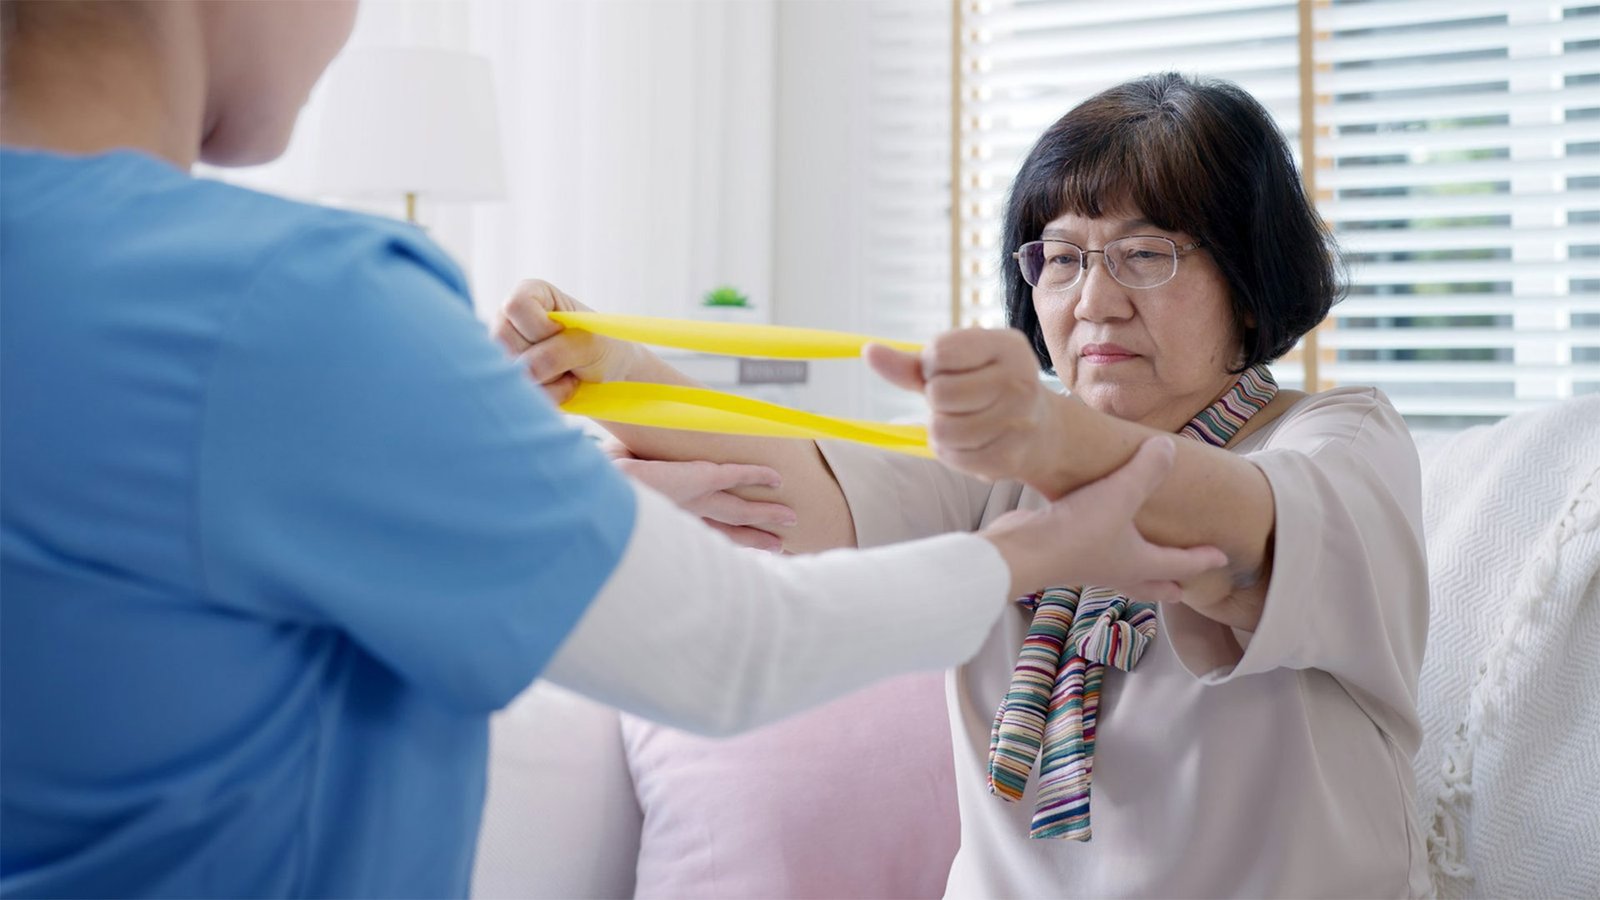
[283, 525]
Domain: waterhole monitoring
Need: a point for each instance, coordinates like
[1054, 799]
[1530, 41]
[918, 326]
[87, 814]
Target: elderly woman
[1159, 253]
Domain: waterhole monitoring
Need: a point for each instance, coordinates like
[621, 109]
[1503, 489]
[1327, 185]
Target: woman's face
[1155, 355]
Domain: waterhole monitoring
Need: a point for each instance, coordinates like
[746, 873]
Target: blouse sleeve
[1349, 589]
[894, 497]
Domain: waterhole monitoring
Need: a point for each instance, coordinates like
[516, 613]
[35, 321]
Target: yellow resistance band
[728, 338]
[698, 409]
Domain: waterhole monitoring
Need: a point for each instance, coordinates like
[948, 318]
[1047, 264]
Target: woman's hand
[1088, 536]
[556, 358]
[560, 360]
[704, 489]
[990, 413]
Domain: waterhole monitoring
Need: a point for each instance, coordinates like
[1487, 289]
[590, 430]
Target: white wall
[862, 183]
[820, 185]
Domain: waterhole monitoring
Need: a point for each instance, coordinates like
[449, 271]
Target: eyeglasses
[1137, 261]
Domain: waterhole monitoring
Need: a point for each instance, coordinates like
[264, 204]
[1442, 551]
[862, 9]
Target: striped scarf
[1050, 713]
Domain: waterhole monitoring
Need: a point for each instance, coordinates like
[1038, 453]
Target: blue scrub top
[281, 526]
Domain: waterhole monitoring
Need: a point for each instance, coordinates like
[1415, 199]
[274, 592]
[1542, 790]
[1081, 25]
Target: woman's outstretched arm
[560, 360]
[993, 418]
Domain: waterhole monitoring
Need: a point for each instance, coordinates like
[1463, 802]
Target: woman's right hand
[556, 358]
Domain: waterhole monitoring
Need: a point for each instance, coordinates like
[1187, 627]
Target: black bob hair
[1200, 157]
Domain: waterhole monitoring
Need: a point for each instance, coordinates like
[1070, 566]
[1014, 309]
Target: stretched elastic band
[727, 338]
[698, 409]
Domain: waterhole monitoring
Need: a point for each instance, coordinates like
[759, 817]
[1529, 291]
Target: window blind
[1457, 162]
[1024, 63]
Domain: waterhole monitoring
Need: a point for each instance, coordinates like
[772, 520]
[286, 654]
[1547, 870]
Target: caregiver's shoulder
[302, 245]
[143, 221]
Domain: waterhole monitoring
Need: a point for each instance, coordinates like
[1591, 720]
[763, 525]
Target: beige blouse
[1286, 775]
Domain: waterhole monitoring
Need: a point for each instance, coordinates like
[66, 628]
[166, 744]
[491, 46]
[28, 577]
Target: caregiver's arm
[993, 418]
[748, 637]
[560, 359]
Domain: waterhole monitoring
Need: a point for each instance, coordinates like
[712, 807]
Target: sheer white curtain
[640, 146]
[638, 143]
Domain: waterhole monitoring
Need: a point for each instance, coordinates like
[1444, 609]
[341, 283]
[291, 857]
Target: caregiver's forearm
[698, 634]
[809, 486]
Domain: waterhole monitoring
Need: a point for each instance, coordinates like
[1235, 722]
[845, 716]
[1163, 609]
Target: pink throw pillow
[854, 799]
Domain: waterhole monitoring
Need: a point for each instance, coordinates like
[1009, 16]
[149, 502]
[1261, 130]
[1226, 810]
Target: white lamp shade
[410, 119]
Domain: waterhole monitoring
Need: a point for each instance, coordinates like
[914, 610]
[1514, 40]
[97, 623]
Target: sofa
[586, 802]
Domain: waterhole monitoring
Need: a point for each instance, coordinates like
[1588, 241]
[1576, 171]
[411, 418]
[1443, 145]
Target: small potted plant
[726, 304]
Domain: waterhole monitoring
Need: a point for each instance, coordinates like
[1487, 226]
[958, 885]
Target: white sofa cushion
[560, 819]
[1508, 776]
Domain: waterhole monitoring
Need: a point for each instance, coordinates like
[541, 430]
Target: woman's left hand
[706, 490]
[990, 413]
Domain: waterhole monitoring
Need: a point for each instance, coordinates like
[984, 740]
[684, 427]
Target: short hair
[1200, 157]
